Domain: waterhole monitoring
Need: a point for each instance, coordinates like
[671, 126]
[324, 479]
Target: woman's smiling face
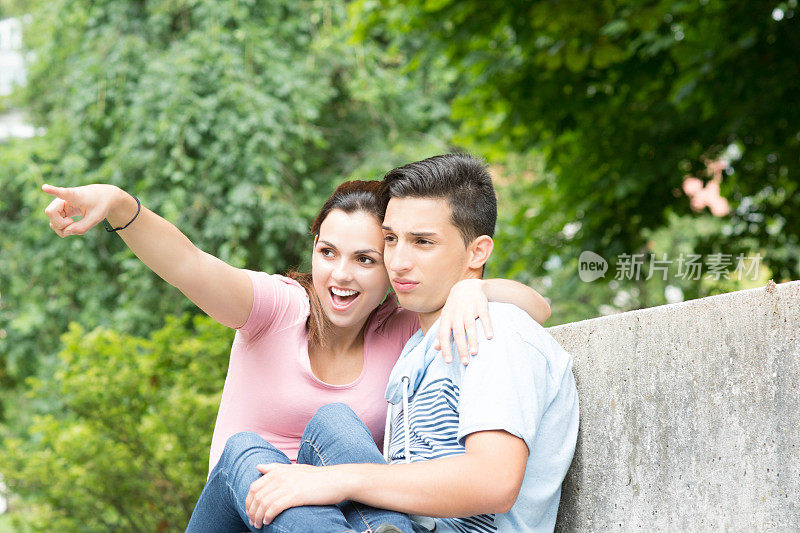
[347, 267]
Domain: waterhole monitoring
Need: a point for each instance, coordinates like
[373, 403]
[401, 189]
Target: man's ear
[479, 251]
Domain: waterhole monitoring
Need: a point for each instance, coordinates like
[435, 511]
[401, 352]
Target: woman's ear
[479, 251]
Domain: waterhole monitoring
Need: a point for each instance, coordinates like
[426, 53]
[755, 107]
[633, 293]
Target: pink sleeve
[278, 302]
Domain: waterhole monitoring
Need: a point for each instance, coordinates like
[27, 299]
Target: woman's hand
[222, 291]
[284, 486]
[469, 299]
[92, 202]
[466, 302]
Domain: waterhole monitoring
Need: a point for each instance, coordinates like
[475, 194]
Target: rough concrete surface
[690, 416]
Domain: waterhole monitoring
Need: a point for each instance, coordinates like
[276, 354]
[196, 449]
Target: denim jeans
[335, 435]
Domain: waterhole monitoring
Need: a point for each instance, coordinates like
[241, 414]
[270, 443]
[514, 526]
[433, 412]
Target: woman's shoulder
[278, 288]
[278, 302]
[267, 280]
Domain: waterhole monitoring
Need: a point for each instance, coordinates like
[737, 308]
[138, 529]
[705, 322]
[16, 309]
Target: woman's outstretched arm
[225, 293]
[519, 294]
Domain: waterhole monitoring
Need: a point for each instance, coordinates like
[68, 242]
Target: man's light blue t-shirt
[520, 382]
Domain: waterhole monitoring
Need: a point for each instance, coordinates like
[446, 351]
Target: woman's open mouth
[342, 299]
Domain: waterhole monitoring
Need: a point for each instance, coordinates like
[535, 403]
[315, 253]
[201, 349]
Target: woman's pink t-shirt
[270, 388]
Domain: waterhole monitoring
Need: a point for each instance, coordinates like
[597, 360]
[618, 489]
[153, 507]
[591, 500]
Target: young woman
[302, 341]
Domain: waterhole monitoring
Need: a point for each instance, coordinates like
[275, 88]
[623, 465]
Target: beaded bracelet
[112, 229]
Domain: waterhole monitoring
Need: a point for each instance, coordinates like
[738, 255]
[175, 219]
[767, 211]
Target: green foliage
[623, 99]
[231, 119]
[12, 8]
[125, 444]
[571, 299]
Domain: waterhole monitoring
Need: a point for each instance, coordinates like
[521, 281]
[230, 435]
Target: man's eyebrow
[415, 233]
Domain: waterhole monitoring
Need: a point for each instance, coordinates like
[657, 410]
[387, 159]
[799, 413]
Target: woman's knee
[337, 435]
[239, 443]
[335, 411]
[333, 419]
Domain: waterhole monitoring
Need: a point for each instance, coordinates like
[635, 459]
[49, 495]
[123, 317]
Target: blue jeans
[335, 435]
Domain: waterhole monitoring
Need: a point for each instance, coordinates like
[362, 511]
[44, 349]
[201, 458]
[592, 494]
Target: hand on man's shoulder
[510, 321]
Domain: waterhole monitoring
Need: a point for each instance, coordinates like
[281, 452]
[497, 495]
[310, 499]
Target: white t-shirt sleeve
[504, 387]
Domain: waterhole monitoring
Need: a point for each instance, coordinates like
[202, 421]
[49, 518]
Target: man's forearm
[448, 487]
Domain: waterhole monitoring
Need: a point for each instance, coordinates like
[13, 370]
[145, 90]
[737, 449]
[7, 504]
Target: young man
[487, 445]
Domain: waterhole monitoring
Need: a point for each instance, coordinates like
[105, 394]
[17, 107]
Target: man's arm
[485, 479]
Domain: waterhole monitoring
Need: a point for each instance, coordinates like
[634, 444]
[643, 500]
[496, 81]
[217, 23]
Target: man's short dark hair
[462, 179]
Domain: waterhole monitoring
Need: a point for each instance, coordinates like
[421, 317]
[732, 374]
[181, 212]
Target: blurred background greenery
[234, 119]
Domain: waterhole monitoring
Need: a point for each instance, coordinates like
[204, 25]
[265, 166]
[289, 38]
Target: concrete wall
[690, 416]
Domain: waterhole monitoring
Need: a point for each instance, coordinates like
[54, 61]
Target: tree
[232, 120]
[12, 8]
[623, 99]
[127, 447]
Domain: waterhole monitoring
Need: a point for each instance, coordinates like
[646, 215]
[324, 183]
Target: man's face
[424, 254]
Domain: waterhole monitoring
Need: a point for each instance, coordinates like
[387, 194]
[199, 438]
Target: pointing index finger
[58, 192]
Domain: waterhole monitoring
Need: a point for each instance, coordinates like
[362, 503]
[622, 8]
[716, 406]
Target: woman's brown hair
[350, 197]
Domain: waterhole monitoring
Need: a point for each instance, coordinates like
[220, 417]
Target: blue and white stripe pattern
[433, 433]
